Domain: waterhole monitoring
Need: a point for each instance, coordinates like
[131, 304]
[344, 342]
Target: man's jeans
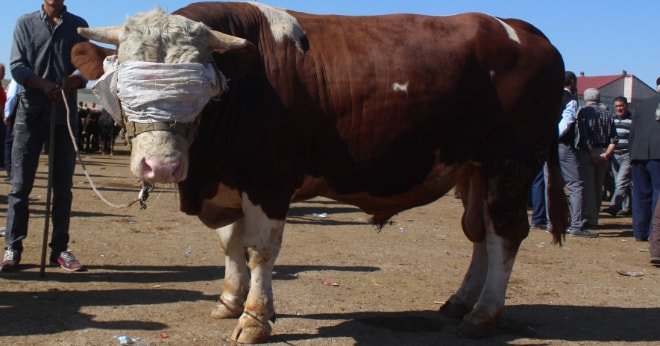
[622, 177]
[646, 188]
[29, 138]
[539, 217]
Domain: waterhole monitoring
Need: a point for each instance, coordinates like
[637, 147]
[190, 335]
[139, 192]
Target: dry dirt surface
[153, 275]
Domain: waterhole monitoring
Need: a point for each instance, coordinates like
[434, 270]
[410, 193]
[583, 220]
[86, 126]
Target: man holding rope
[41, 63]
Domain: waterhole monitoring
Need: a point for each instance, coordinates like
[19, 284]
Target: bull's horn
[219, 40]
[105, 34]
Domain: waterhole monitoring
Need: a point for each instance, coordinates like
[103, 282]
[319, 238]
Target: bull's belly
[225, 207]
[437, 183]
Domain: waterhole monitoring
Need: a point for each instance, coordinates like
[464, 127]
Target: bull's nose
[160, 171]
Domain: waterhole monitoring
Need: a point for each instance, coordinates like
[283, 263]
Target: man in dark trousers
[41, 62]
[645, 158]
[568, 160]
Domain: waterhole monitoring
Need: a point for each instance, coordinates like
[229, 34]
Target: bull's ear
[88, 59]
[235, 64]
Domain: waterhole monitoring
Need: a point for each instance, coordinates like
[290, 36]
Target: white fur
[398, 87]
[510, 31]
[258, 226]
[282, 24]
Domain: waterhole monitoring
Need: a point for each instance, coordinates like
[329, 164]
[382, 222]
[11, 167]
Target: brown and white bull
[386, 113]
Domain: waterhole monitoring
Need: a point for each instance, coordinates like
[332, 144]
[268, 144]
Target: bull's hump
[282, 24]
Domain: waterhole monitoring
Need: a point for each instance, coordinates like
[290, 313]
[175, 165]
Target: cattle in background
[90, 131]
[108, 131]
[385, 113]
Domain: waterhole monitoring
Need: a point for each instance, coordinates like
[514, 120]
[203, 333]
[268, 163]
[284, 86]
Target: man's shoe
[655, 260]
[3, 230]
[66, 261]
[539, 226]
[623, 213]
[10, 260]
[583, 233]
[610, 211]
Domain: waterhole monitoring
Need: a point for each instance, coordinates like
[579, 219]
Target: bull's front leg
[262, 240]
[237, 278]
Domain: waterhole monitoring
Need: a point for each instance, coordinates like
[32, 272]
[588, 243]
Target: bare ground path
[154, 274]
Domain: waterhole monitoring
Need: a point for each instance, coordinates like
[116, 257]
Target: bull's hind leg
[237, 278]
[262, 240]
[471, 191]
[505, 219]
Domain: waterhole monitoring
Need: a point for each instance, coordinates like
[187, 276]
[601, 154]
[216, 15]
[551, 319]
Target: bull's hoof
[226, 310]
[454, 309]
[250, 330]
[475, 331]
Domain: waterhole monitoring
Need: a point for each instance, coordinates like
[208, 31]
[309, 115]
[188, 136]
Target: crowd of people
[593, 142]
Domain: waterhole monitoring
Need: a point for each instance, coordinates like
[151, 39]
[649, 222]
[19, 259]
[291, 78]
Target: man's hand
[70, 83]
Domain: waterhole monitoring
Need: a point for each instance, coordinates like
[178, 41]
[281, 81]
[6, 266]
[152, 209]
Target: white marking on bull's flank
[398, 87]
[282, 24]
[509, 30]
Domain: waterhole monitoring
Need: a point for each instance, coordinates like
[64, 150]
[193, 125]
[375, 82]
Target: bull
[249, 108]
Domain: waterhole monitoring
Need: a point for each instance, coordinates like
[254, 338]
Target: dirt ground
[154, 274]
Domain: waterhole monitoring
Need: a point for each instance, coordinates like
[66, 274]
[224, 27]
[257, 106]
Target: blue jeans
[646, 188]
[31, 131]
[621, 172]
[538, 200]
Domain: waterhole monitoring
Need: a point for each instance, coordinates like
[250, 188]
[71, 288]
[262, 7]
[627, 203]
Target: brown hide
[384, 112]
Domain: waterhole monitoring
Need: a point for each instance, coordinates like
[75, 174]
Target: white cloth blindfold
[156, 92]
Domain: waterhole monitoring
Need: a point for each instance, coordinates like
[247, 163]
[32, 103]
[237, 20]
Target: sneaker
[583, 233]
[623, 213]
[66, 261]
[10, 260]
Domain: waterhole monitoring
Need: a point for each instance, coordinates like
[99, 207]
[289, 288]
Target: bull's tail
[557, 207]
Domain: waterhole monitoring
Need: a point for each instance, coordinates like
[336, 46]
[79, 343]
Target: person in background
[654, 238]
[41, 63]
[645, 161]
[3, 100]
[568, 160]
[596, 142]
[539, 217]
[620, 164]
[9, 115]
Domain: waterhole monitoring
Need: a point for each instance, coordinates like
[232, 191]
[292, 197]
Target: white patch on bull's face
[157, 36]
[159, 157]
[398, 87]
[282, 24]
[509, 30]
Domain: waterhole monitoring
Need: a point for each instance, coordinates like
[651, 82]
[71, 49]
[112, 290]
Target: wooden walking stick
[51, 161]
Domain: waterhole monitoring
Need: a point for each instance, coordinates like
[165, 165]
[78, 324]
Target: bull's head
[156, 85]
